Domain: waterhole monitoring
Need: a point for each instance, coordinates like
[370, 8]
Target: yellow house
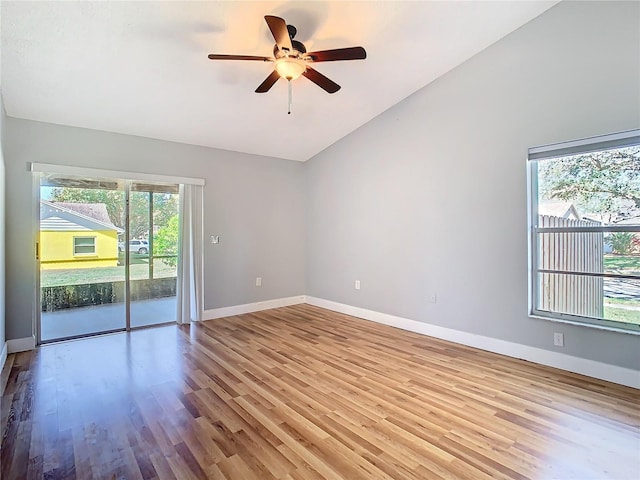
[77, 235]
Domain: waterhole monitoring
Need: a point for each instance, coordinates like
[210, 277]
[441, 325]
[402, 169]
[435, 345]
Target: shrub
[165, 242]
[621, 242]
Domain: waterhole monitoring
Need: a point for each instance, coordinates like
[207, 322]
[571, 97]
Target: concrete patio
[101, 318]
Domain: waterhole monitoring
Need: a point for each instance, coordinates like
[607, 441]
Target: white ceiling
[141, 68]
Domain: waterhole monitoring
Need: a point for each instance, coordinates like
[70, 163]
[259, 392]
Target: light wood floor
[304, 393]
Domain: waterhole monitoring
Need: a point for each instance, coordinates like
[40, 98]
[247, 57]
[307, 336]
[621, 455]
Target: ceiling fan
[291, 59]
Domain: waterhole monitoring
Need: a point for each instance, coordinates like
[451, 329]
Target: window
[84, 245]
[584, 226]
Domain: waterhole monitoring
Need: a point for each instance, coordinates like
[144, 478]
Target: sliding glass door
[152, 253]
[107, 255]
[82, 282]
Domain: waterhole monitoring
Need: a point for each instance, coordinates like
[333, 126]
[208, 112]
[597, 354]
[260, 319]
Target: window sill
[587, 325]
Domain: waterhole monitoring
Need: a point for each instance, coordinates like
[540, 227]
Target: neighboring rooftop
[558, 208]
[68, 216]
[97, 211]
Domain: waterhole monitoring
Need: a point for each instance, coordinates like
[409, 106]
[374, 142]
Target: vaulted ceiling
[141, 68]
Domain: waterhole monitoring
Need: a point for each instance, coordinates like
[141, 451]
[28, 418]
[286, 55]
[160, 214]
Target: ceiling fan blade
[216, 56]
[268, 82]
[351, 53]
[279, 31]
[320, 80]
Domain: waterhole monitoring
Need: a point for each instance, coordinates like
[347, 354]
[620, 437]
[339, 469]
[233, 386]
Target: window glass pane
[582, 295]
[154, 217]
[573, 252]
[597, 252]
[598, 187]
[82, 282]
[139, 215]
[622, 264]
[165, 234]
[84, 245]
[84, 241]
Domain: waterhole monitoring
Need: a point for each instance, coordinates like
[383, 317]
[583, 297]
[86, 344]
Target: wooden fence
[578, 252]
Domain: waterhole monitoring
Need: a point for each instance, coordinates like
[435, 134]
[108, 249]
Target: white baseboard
[252, 307]
[3, 356]
[591, 368]
[21, 344]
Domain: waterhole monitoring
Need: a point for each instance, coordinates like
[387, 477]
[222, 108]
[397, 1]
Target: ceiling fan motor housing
[299, 46]
[298, 49]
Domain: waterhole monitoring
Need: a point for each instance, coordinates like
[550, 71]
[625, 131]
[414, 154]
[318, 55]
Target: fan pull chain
[289, 82]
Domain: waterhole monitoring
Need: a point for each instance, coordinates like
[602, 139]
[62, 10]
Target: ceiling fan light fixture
[290, 68]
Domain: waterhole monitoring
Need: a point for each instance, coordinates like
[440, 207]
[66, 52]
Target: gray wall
[2, 227]
[430, 197]
[255, 204]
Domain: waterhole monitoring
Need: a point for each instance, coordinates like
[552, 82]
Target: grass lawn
[622, 309]
[139, 270]
[622, 314]
[622, 264]
[630, 302]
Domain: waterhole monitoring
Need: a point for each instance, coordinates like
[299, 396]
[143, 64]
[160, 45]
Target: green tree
[607, 182]
[165, 206]
[621, 242]
[138, 214]
[165, 242]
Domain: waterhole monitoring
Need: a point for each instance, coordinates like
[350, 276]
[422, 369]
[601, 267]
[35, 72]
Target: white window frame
[549, 152]
[84, 254]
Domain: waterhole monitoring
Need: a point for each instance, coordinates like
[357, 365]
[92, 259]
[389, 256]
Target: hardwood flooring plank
[302, 393]
[162, 467]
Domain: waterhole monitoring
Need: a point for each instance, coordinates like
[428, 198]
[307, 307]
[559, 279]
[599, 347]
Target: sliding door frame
[127, 256]
[38, 169]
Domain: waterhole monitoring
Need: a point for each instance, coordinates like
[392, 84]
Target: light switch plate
[215, 239]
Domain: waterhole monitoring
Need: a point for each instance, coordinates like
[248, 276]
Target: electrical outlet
[357, 285]
[558, 339]
[258, 281]
[433, 298]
